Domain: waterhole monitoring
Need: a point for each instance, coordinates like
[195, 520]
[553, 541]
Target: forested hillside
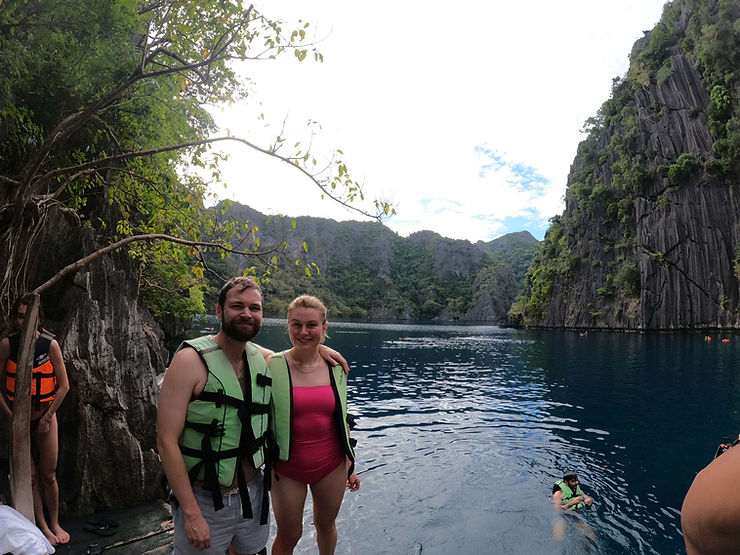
[365, 270]
[651, 231]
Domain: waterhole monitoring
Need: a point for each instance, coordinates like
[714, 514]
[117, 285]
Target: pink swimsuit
[315, 450]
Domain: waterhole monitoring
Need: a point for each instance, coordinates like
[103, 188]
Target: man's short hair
[570, 476]
[242, 283]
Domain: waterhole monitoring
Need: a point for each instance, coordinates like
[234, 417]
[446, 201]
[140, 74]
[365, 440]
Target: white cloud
[409, 89]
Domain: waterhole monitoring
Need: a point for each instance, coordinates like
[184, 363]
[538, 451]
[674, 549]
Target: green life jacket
[222, 428]
[282, 408]
[569, 494]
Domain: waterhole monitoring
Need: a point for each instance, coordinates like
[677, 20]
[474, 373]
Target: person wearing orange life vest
[49, 386]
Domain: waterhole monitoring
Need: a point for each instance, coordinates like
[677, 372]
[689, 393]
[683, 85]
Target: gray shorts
[227, 526]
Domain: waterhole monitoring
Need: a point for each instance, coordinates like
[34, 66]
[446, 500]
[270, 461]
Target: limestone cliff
[112, 350]
[650, 234]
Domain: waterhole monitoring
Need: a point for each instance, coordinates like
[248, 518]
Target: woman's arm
[60, 371]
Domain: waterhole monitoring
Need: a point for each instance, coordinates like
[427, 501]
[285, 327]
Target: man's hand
[333, 357]
[197, 531]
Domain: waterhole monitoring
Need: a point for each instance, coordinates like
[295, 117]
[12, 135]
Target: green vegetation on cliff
[671, 124]
[366, 271]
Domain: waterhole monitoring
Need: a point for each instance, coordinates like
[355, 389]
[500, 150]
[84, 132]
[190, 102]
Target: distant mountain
[365, 270]
[515, 249]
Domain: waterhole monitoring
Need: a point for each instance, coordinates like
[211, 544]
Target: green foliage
[170, 287]
[736, 263]
[656, 52]
[553, 260]
[684, 170]
[102, 114]
[665, 71]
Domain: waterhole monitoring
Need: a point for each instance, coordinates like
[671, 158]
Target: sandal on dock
[102, 519]
[99, 529]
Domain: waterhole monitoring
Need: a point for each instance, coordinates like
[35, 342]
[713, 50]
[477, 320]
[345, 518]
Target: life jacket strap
[219, 398]
[208, 460]
[251, 446]
[244, 494]
[248, 409]
[214, 429]
[263, 381]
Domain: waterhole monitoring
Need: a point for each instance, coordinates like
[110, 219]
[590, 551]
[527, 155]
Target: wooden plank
[140, 529]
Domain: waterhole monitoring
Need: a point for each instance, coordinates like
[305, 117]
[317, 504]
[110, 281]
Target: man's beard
[240, 333]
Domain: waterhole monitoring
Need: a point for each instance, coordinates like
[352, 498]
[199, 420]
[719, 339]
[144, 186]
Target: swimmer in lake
[568, 499]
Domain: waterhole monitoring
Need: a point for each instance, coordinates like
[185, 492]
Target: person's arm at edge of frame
[60, 371]
[179, 385]
[4, 355]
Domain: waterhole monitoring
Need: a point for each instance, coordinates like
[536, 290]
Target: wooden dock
[144, 529]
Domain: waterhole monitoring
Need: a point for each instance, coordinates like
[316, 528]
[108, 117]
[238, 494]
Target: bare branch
[149, 152]
[84, 261]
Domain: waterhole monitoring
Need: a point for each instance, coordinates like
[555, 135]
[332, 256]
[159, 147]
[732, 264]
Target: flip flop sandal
[99, 529]
[102, 520]
[94, 549]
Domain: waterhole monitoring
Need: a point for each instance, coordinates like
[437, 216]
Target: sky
[465, 115]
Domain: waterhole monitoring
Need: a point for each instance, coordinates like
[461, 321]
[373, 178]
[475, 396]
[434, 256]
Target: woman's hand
[333, 357]
[353, 482]
[44, 423]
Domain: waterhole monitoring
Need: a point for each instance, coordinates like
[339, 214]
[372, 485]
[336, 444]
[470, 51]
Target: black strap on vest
[219, 398]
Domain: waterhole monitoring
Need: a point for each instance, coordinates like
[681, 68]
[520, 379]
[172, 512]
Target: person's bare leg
[327, 495]
[48, 445]
[558, 530]
[288, 500]
[38, 507]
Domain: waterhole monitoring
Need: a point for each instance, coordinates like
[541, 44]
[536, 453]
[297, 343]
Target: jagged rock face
[685, 235]
[494, 292]
[693, 282]
[112, 351]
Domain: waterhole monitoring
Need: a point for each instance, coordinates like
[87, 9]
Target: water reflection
[463, 430]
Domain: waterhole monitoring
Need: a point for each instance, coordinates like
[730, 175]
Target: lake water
[462, 431]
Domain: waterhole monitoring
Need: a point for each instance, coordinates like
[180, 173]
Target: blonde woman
[309, 409]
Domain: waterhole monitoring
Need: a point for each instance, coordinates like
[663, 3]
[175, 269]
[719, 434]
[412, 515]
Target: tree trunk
[20, 461]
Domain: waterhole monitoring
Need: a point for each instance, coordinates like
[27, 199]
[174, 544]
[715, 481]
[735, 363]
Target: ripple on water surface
[462, 432]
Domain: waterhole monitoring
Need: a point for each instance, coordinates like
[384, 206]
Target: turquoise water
[462, 431]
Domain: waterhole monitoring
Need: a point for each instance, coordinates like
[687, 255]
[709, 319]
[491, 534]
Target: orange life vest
[43, 378]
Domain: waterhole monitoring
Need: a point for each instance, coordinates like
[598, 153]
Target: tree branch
[84, 261]
[150, 152]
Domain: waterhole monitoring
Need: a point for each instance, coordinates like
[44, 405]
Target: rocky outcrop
[112, 350]
[651, 229]
[495, 289]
